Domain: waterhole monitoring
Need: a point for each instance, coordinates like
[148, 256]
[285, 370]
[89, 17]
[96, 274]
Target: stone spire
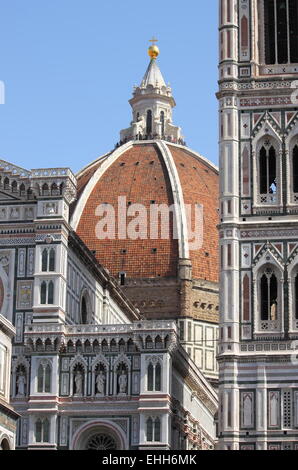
[153, 76]
[152, 105]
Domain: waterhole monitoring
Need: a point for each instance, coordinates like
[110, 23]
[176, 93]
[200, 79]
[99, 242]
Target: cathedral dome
[149, 210]
[150, 173]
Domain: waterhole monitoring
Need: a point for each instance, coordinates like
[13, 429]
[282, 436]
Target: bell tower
[258, 116]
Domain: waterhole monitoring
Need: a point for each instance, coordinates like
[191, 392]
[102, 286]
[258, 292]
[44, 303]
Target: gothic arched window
[149, 430]
[85, 316]
[42, 430]
[44, 378]
[268, 172]
[6, 183]
[45, 190]
[269, 296]
[47, 379]
[52, 260]
[38, 430]
[149, 342]
[157, 430]
[246, 298]
[281, 31]
[48, 258]
[162, 120]
[51, 292]
[158, 378]
[149, 122]
[22, 190]
[295, 169]
[150, 377]
[54, 189]
[154, 377]
[44, 260]
[14, 187]
[46, 431]
[4, 445]
[84, 311]
[153, 430]
[43, 293]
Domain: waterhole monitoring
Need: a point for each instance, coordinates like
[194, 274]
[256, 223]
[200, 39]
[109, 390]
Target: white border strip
[93, 181]
[182, 230]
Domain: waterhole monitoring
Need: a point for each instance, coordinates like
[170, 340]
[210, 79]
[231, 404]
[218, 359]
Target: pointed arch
[78, 364]
[6, 184]
[158, 342]
[85, 307]
[158, 377]
[51, 293]
[162, 121]
[44, 260]
[149, 342]
[157, 430]
[14, 187]
[52, 259]
[267, 165]
[150, 373]
[45, 189]
[100, 365]
[47, 379]
[44, 376]
[149, 429]
[280, 28]
[40, 379]
[38, 430]
[54, 189]
[22, 190]
[42, 430]
[149, 122]
[269, 298]
[246, 297]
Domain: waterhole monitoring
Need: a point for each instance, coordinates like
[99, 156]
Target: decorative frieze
[269, 233]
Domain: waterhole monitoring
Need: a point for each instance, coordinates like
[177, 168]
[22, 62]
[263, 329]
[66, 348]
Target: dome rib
[178, 200]
[168, 174]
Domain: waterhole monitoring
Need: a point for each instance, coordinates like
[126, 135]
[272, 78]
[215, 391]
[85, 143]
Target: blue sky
[69, 67]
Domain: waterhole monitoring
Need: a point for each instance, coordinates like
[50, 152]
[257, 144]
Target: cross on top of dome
[153, 50]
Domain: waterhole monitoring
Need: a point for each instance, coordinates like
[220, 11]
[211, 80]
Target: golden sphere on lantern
[153, 52]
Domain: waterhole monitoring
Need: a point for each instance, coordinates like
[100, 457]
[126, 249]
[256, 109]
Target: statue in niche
[29, 213]
[122, 382]
[21, 383]
[273, 311]
[50, 208]
[100, 383]
[78, 383]
[14, 213]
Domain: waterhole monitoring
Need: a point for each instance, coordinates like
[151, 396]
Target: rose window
[101, 442]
